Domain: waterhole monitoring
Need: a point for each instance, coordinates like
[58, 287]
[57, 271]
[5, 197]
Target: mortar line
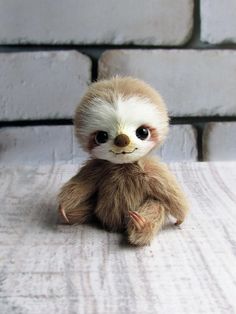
[173, 121]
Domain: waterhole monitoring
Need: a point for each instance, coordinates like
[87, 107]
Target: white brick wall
[49, 144]
[158, 40]
[219, 141]
[218, 21]
[158, 22]
[193, 82]
[41, 85]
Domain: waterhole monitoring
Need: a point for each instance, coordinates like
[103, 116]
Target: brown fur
[108, 191]
[135, 197]
[91, 141]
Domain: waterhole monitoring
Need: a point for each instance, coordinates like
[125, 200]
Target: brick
[218, 21]
[219, 141]
[192, 82]
[42, 85]
[39, 145]
[50, 144]
[153, 22]
[181, 144]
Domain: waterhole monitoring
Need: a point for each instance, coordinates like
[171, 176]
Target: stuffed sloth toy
[118, 122]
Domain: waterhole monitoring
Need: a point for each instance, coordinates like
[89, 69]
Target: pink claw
[62, 211]
[138, 220]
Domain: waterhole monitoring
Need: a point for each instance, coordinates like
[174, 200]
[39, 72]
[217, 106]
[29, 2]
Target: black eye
[142, 133]
[101, 137]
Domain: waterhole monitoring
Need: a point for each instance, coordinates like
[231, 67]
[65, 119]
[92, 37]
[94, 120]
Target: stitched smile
[122, 153]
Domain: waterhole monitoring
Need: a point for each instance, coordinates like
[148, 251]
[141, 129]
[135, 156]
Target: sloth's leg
[75, 203]
[79, 214]
[145, 222]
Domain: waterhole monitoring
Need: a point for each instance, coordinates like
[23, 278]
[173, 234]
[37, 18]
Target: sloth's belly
[117, 195]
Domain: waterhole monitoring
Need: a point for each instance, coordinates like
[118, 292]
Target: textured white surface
[40, 85]
[218, 21]
[193, 82]
[51, 268]
[48, 144]
[155, 22]
[219, 141]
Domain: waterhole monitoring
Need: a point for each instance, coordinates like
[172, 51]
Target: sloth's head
[121, 120]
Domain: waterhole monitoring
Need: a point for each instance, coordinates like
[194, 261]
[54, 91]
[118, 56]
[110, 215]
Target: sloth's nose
[121, 140]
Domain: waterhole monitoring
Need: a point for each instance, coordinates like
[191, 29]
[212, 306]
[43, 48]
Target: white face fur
[125, 116]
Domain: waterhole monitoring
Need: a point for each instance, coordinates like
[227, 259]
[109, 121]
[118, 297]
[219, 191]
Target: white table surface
[50, 268]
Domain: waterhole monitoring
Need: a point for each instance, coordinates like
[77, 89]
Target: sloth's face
[124, 131]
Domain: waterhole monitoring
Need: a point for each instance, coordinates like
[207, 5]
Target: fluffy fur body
[121, 186]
